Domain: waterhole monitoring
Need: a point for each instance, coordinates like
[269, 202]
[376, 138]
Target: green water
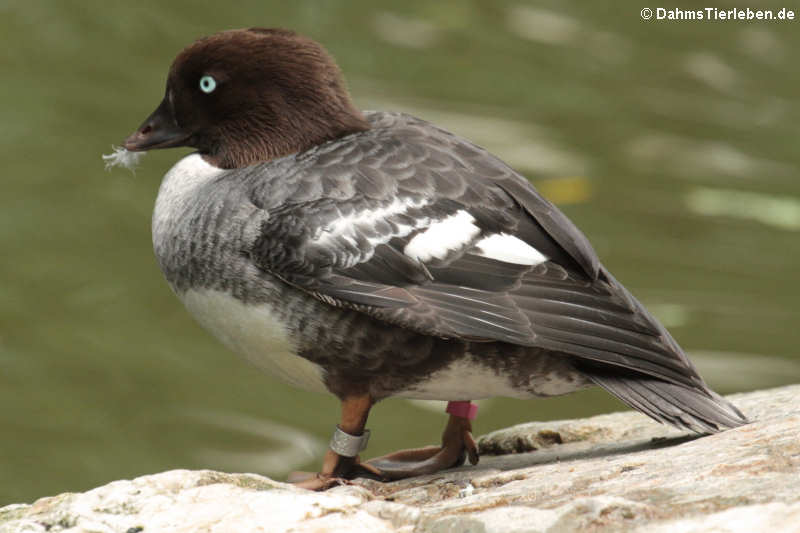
[672, 145]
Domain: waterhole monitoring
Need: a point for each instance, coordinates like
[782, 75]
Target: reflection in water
[543, 25]
[776, 211]
[688, 158]
[559, 29]
[710, 69]
[762, 44]
[743, 371]
[283, 449]
[405, 31]
[671, 315]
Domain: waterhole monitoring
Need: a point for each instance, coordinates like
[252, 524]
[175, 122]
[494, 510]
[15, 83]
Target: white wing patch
[509, 249]
[438, 239]
[443, 237]
[347, 225]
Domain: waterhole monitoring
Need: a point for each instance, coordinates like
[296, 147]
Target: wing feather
[343, 214]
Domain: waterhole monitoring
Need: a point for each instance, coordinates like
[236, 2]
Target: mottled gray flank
[609, 473]
[376, 320]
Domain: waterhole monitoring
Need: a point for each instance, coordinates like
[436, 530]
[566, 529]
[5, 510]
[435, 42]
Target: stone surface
[618, 472]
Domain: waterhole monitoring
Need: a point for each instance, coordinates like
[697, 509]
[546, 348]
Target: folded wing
[419, 228]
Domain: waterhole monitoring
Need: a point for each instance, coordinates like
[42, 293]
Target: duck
[372, 254]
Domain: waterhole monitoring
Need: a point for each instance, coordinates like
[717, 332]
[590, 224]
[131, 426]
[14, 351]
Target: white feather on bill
[122, 157]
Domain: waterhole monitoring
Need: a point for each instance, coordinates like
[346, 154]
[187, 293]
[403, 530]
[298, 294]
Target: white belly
[467, 379]
[463, 380]
[254, 332]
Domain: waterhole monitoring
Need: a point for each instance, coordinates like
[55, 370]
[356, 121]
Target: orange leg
[457, 442]
[336, 468]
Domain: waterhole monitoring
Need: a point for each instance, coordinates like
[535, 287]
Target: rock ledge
[617, 472]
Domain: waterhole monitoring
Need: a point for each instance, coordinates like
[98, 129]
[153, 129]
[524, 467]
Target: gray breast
[203, 225]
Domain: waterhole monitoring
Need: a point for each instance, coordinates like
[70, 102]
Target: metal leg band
[348, 445]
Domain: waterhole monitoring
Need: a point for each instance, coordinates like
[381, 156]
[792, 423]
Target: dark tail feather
[702, 411]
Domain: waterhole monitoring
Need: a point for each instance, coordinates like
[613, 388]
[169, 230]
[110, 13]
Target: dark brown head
[245, 96]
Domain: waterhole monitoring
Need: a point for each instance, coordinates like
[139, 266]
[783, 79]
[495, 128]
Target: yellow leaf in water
[567, 190]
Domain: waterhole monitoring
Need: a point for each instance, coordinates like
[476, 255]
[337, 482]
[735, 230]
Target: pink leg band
[463, 409]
